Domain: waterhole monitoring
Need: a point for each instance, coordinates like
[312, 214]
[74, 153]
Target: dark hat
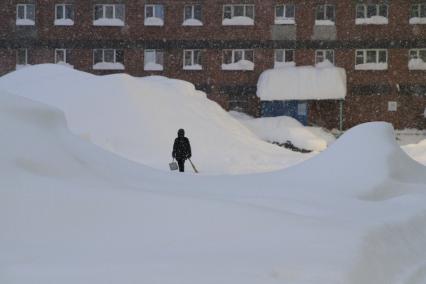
[181, 132]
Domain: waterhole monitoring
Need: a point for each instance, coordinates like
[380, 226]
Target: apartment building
[223, 46]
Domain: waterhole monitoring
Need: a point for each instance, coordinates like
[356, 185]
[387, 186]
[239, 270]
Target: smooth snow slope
[73, 213]
[138, 118]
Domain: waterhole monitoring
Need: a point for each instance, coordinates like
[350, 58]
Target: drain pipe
[341, 115]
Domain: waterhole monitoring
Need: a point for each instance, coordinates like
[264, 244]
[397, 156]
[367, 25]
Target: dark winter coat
[181, 148]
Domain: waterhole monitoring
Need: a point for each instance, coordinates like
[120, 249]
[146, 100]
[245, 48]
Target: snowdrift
[138, 118]
[71, 212]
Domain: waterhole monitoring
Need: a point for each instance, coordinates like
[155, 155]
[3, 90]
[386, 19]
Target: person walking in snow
[181, 149]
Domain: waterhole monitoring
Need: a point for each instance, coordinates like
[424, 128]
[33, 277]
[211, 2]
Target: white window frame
[324, 20]
[17, 57]
[365, 19]
[233, 11]
[154, 11]
[193, 63]
[243, 56]
[239, 50]
[416, 65]
[192, 12]
[284, 20]
[18, 20]
[114, 13]
[63, 6]
[392, 106]
[364, 56]
[65, 55]
[103, 59]
[324, 55]
[284, 62]
[418, 19]
[417, 51]
[155, 56]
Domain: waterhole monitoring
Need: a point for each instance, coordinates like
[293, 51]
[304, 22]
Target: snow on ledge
[192, 22]
[302, 83]
[193, 67]
[108, 22]
[153, 67]
[374, 20]
[238, 21]
[64, 22]
[324, 23]
[416, 64]
[25, 22]
[154, 21]
[417, 21]
[372, 66]
[285, 21]
[240, 65]
[65, 64]
[108, 66]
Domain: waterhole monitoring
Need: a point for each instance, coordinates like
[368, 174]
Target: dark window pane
[329, 55]
[319, 57]
[60, 56]
[227, 12]
[289, 55]
[320, 12]
[149, 12]
[279, 11]
[187, 58]
[109, 12]
[423, 11]
[330, 13]
[69, 12]
[422, 54]
[98, 55]
[68, 55]
[371, 56]
[238, 55]
[250, 11]
[99, 11]
[30, 12]
[119, 56]
[413, 54]
[159, 11]
[159, 57]
[249, 55]
[109, 55]
[415, 11]
[227, 56]
[371, 11]
[21, 12]
[59, 12]
[238, 11]
[188, 12]
[197, 57]
[359, 57]
[197, 12]
[382, 56]
[279, 55]
[119, 12]
[383, 11]
[360, 14]
[21, 57]
[290, 11]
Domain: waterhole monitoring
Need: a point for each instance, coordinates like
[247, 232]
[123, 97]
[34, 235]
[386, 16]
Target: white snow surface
[151, 66]
[282, 129]
[25, 22]
[417, 151]
[324, 23]
[238, 21]
[285, 21]
[417, 21]
[153, 21]
[193, 67]
[108, 22]
[108, 66]
[371, 66]
[302, 83]
[71, 212]
[416, 64]
[374, 20]
[240, 65]
[63, 22]
[192, 22]
[138, 118]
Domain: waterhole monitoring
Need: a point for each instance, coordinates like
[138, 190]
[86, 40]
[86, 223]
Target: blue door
[296, 109]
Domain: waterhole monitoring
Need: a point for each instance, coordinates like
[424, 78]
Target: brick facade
[368, 91]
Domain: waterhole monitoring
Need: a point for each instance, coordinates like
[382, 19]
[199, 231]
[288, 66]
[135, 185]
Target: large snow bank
[282, 129]
[302, 83]
[73, 213]
[138, 118]
[417, 151]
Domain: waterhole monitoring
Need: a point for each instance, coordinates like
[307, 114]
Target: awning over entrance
[302, 83]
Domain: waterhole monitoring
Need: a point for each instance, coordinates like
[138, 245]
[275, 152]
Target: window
[417, 59]
[375, 14]
[238, 15]
[153, 60]
[371, 59]
[109, 15]
[21, 57]
[238, 59]
[325, 15]
[108, 59]
[418, 14]
[392, 106]
[285, 14]
[192, 59]
[192, 15]
[64, 15]
[62, 56]
[324, 56]
[25, 15]
[284, 58]
[154, 15]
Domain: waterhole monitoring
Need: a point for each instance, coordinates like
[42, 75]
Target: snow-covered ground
[138, 118]
[71, 212]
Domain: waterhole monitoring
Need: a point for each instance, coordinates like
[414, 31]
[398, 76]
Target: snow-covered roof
[302, 83]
